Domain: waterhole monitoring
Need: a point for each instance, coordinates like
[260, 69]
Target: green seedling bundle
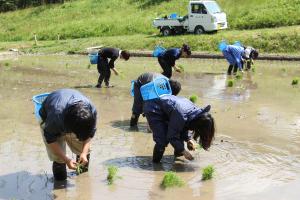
[207, 172]
[295, 81]
[112, 174]
[194, 98]
[230, 83]
[171, 180]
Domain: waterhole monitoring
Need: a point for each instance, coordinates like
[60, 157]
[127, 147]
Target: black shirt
[109, 53]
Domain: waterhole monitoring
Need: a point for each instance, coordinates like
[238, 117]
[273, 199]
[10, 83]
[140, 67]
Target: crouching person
[172, 119]
[250, 54]
[137, 107]
[68, 117]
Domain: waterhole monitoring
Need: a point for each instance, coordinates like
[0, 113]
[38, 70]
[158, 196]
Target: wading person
[68, 117]
[171, 119]
[250, 54]
[137, 107]
[168, 58]
[106, 62]
[233, 54]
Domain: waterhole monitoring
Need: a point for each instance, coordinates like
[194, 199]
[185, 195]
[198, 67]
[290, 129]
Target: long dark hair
[204, 129]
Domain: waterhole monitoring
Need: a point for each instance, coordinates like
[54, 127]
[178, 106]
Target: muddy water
[256, 151]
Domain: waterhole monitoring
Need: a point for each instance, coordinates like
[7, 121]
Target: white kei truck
[203, 16]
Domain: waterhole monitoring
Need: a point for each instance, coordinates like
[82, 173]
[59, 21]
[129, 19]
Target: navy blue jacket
[53, 110]
[171, 55]
[169, 118]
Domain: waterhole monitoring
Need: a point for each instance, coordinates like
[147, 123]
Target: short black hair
[80, 119]
[125, 55]
[186, 48]
[254, 54]
[175, 86]
[204, 129]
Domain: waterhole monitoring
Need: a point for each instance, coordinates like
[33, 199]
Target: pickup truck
[203, 16]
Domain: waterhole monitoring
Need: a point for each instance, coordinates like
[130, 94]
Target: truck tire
[166, 31]
[199, 30]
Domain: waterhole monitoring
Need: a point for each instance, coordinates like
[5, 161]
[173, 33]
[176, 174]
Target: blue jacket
[169, 118]
[233, 55]
[53, 111]
[171, 55]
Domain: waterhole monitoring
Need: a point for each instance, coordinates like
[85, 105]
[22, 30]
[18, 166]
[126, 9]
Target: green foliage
[230, 83]
[295, 81]
[97, 18]
[112, 174]
[6, 64]
[194, 98]
[207, 172]
[171, 180]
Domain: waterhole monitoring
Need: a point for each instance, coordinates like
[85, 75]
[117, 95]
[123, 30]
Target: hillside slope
[95, 18]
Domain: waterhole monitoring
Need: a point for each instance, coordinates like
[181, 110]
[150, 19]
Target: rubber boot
[59, 171]
[158, 153]
[84, 168]
[134, 119]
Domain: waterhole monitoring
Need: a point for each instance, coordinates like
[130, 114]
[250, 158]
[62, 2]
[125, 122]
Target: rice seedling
[171, 180]
[112, 172]
[295, 81]
[79, 169]
[207, 172]
[230, 83]
[193, 98]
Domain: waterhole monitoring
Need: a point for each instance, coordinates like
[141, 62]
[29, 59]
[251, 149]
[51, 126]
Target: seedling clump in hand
[207, 172]
[112, 172]
[171, 180]
[194, 98]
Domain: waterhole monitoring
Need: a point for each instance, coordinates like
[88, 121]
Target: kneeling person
[67, 117]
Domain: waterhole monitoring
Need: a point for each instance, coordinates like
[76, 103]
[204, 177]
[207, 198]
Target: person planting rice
[168, 58]
[104, 66]
[249, 55]
[67, 117]
[137, 107]
[171, 118]
[237, 56]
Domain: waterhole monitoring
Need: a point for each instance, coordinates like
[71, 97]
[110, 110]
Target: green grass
[172, 180]
[280, 40]
[193, 98]
[295, 81]
[207, 172]
[230, 83]
[112, 174]
[98, 18]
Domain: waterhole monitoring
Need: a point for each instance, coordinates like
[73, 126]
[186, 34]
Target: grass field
[280, 40]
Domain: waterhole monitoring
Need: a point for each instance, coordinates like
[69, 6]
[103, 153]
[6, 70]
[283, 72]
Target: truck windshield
[212, 7]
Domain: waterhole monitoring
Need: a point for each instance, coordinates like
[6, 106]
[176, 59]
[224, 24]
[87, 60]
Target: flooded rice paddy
[256, 152]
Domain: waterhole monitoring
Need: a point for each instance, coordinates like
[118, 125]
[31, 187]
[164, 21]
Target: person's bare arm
[85, 151]
[115, 71]
[56, 149]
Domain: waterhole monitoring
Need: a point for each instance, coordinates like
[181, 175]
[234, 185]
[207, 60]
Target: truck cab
[205, 16]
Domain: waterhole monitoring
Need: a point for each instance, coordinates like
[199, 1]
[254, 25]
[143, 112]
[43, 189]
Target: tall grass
[97, 18]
